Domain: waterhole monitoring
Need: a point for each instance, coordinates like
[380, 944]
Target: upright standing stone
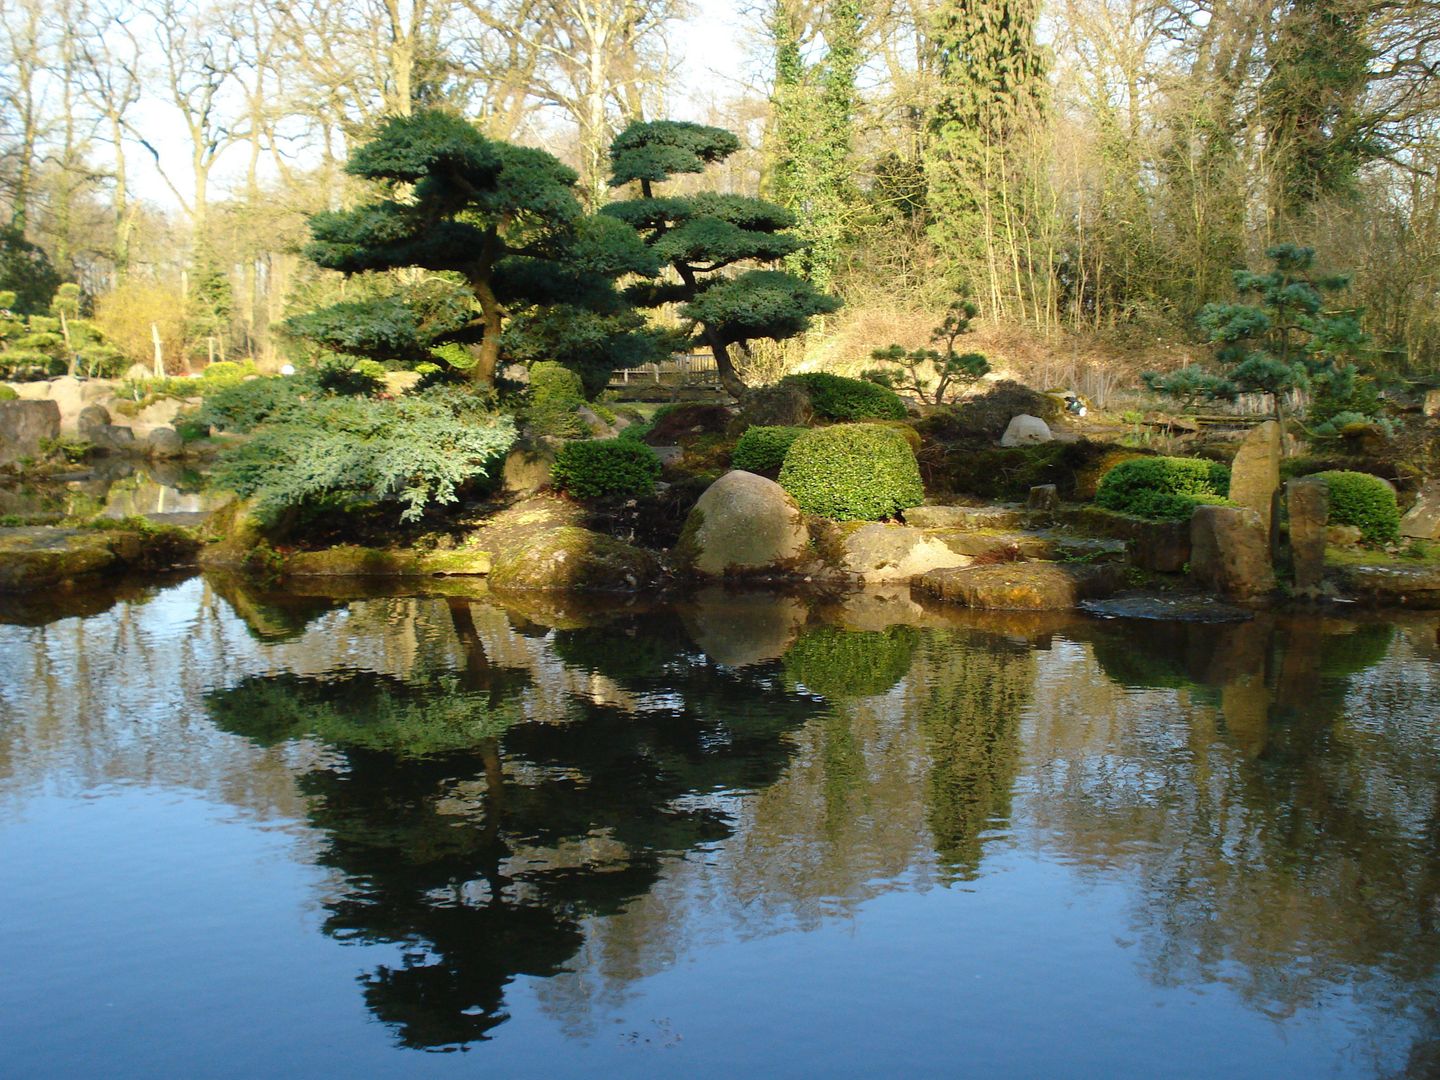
[24, 425]
[1255, 476]
[1422, 521]
[1230, 552]
[1309, 503]
[1432, 403]
[1043, 497]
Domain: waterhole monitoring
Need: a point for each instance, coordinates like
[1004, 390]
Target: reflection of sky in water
[992, 848]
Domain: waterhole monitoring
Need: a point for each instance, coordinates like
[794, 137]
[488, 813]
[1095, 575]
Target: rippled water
[253, 835]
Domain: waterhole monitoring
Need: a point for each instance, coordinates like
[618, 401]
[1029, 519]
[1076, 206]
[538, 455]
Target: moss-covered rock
[41, 557]
[350, 560]
[573, 558]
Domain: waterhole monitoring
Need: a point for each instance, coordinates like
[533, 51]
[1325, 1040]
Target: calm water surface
[248, 835]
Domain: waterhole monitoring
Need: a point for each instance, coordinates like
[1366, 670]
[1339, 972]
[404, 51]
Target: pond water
[253, 835]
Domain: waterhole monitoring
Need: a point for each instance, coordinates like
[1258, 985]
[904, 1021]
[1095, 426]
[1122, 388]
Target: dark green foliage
[326, 452]
[1190, 385]
[835, 397]
[606, 467]
[1278, 339]
[1364, 501]
[762, 449]
[698, 236]
[555, 393]
[930, 373]
[1163, 487]
[852, 472]
[26, 273]
[418, 718]
[1311, 102]
[984, 416]
[502, 223]
[841, 664]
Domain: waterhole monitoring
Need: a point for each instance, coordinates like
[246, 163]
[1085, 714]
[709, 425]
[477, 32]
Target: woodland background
[1089, 172]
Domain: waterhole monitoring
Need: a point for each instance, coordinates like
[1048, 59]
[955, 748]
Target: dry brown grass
[1099, 366]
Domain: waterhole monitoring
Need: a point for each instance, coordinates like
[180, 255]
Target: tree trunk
[730, 379]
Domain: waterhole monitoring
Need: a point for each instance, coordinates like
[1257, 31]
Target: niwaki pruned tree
[503, 223]
[700, 238]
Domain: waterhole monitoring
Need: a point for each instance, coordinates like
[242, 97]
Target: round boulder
[92, 420]
[164, 442]
[1026, 430]
[743, 523]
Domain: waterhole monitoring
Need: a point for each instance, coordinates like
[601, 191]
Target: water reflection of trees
[1275, 788]
[476, 838]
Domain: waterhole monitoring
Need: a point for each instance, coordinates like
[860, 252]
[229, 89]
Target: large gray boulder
[1026, 430]
[1308, 500]
[164, 443]
[527, 465]
[1422, 521]
[1255, 475]
[743, 523]
[23, 424]
[91, 421]
[1230, 552]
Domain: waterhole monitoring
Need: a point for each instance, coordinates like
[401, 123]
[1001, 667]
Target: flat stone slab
[1192, 609]
[1397, 586]
[965, 517]
[38, 556]
[1022, 586]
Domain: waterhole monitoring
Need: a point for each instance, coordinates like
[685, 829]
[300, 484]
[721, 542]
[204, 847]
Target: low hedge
[600, 467]
[1364, 501]
[835, 397]
[762, 449]
[1163, 487]
[852, 472]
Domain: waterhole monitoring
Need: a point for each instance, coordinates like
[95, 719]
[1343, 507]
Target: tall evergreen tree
[814, 134]
[991, 81]
[699, 237]
[1317, 135]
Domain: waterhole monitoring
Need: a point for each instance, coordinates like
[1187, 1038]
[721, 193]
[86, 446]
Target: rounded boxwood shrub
[835, 397]
[1163, 487]
[600, 467]
[1364, 501]
[555, 393]
[762, 449]
[852, 472]
[8, 394]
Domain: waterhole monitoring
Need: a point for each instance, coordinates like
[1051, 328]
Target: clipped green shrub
[8, 394]
[763, 449]
[852, 472]
[555, 393]
[102, 361]
[245, 405]
[1163, 487]
[600, 467]
[835, 397]
[223, 373]
[1366, 502]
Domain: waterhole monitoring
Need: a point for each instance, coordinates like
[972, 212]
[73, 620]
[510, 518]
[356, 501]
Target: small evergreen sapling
[932, 373]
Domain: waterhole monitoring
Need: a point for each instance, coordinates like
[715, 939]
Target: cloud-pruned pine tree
[503, 223]
[701, 237]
